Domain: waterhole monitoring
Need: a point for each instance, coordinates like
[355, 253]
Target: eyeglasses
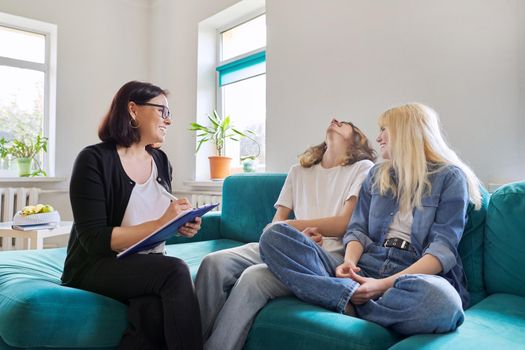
[165, 110]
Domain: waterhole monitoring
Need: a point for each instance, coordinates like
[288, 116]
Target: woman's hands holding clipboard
[175, 208]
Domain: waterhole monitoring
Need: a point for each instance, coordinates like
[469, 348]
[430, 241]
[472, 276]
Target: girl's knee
[222, 263]
[254, 275]
[212, 261]
[443, 321]
[258, 283]
[271, 236]
[436, 302]
[277, 234]
[429, 287]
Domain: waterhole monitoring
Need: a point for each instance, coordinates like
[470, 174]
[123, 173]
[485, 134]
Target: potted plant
[25, 151]
[217, 133]
[4, 161]
[249, 163]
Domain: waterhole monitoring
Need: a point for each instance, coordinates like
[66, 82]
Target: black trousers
[163, 308]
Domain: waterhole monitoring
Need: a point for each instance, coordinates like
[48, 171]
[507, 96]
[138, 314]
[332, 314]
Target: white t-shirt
[401, 226]
[147, 202]
[316, 192]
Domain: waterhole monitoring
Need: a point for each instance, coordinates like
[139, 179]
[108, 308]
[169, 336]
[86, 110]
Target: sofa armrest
[210, 229]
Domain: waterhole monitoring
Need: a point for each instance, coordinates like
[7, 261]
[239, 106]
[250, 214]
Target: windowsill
[36, 179]
[204, 184]
[211, 185]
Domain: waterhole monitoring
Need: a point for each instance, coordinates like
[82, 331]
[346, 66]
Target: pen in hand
[174, 199]
[169, 195]
[183, 201]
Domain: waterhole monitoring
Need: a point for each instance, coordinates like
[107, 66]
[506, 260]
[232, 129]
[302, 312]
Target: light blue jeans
[415, 304]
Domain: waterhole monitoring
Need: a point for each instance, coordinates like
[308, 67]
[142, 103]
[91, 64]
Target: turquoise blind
[243, 68]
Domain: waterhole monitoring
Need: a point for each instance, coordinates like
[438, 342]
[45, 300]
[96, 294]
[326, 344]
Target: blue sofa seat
[497, 322]
[288, 323]
[36, 311]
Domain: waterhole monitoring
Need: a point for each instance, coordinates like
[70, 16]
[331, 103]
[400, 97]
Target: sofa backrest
[247, 204]
[504, 249]
[247, 208]
[471, 249]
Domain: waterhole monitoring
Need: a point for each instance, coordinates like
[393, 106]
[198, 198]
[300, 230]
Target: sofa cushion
[497, 322]
[505, 241]
[32, 301]
[193, 253]
[471, 249]
[287, 323]
[4, 346]
[247, 204]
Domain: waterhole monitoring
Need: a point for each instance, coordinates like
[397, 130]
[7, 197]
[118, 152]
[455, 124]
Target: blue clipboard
[167, 231]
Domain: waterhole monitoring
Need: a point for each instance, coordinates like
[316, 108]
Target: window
[241, 80]
[28, 83]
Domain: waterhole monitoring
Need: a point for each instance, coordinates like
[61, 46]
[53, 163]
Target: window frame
[49, 68]
[219, 98]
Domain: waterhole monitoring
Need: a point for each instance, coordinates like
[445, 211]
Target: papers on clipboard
[166, 231]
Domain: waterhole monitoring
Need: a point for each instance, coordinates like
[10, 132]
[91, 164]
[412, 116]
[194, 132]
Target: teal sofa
[37, 312]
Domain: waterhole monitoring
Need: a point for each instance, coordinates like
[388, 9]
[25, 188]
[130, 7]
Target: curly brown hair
[359, 149]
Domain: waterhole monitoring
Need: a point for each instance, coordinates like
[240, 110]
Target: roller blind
[243, 68]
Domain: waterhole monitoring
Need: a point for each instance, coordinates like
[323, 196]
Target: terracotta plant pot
[219, 167]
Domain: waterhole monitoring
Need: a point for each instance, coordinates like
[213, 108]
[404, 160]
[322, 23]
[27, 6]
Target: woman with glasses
[118, 194]
[401, 267]
[233, 285]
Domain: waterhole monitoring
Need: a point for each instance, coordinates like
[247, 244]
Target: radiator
[200, 198]
[11, 201]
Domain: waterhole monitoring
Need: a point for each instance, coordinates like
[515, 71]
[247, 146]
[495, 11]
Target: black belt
[396, 243]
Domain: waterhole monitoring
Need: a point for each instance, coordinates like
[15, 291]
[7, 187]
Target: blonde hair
[415, 139]
[358, 149]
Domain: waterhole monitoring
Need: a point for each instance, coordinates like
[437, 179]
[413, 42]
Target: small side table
[35, 237]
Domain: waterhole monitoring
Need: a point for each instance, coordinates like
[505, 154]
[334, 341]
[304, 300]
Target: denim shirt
[437, 226]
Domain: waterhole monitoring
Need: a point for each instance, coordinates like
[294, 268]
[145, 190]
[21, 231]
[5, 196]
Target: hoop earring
[136, 126]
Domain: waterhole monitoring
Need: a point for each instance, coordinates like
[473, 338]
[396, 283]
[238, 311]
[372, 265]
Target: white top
[147, 202]
[401, 226]
[316, 192]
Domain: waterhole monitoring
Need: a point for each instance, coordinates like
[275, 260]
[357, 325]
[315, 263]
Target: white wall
[101, 45]
[354, 59]
[521, 76]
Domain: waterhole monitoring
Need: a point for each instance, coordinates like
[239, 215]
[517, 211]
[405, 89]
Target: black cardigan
[99, 192]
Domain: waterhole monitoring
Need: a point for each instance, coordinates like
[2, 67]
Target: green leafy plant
[220, 131]
[25, 148]
[4, 150]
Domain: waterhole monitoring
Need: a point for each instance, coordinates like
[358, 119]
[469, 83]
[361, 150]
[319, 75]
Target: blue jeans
[415, 304]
